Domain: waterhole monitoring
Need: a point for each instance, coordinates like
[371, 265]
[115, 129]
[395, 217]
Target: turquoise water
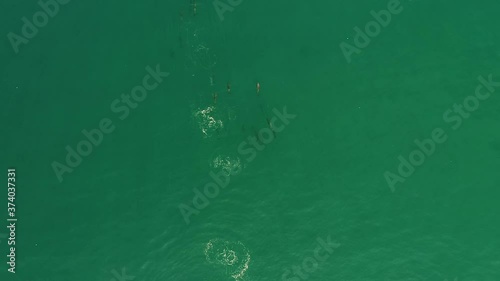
[320, 178]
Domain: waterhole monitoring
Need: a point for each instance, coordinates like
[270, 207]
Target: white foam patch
[234, 256]
[207, 122]
[226, 163]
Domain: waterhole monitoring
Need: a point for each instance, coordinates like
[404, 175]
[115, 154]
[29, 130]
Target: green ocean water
[118, 210]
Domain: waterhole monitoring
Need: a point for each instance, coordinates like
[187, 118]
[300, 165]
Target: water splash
[228, 164]
[207, 122]
[234, 256]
